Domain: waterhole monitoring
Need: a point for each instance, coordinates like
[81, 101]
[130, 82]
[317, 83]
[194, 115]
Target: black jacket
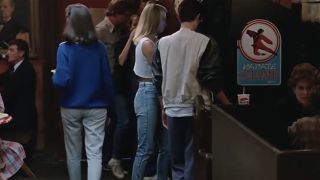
[19, 98]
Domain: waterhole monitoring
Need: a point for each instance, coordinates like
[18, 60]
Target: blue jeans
[93, 122]
[182, 147]
[150, 132]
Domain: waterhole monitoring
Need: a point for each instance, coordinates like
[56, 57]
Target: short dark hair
[303, 71]
[22, 45]
[79, 25]
[119, 7]
[189, 9]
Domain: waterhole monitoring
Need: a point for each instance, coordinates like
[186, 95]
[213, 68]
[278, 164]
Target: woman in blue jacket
[83, 75]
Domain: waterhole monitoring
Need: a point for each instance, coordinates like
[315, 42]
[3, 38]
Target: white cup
[243, 99]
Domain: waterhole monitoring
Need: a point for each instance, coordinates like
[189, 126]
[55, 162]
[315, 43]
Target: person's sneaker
[150, 178]
[116, 168]
[106, 167]
[124, 171]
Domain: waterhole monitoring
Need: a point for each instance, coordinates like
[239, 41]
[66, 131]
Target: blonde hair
[149, 21]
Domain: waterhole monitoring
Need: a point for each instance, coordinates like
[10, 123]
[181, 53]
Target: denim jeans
[93, 122]
[150, 132]
[182, 147]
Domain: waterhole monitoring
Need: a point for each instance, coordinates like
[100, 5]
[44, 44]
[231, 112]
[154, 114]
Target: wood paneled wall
[62, 4]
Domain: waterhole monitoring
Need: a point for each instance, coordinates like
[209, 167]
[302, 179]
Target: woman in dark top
[297, 105]
[125, 86]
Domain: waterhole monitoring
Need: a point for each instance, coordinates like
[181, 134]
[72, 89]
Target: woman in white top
[147, 108]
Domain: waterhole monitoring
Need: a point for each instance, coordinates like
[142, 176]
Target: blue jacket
[84, 76]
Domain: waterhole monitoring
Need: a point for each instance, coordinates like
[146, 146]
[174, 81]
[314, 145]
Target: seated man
[19, 96]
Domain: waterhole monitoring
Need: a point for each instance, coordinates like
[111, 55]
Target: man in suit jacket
[19, 94]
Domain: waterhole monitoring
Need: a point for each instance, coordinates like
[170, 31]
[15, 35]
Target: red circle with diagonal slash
[246, 42]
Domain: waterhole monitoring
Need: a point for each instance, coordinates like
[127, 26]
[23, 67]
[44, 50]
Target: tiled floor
[49, 165]
[58, 171]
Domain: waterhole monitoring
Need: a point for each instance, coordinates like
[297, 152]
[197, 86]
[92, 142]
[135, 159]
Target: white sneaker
[150, 178]
[116, 168]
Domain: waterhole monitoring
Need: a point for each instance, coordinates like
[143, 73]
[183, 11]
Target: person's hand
[132, 34]
[164, 119]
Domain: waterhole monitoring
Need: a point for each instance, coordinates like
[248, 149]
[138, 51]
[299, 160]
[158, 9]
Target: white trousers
[92, 123]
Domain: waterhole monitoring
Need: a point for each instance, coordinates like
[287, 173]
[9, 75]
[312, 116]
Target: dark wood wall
[48, 31]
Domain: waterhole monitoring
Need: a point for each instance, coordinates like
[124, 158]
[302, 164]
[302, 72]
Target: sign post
[259, 54]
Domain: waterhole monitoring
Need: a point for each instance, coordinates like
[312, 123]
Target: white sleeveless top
[141, 67]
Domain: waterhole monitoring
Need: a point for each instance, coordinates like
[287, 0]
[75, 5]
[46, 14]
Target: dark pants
[122, 110]
[182, 147]
[109, 130]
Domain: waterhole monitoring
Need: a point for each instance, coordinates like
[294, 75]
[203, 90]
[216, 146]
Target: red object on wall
[285, 3]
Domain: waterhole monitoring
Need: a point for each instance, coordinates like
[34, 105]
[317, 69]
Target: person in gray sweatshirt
[185, 63]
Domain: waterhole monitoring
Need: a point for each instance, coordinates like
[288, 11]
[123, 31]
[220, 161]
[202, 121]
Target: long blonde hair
[149, 21]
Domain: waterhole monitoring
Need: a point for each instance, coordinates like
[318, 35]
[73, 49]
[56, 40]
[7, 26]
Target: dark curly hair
[303, 71]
